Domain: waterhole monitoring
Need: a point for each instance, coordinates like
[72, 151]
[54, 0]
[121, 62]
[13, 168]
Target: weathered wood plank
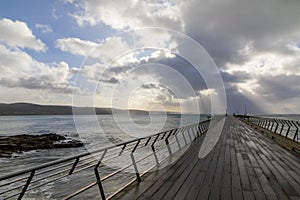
[243, 165]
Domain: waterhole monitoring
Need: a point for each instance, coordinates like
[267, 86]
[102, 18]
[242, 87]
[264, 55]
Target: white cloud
[17, 34]
[44, 28]
[76, 46]
[269, 64]
[20, 70]
[129, 13]
[104, 51]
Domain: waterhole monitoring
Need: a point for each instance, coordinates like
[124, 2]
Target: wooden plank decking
[243, 165]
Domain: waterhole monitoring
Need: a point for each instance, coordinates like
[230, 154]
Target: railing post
[288, 130]
[73, 166]
[261, 123]
[197, 130]
[177, 141]
[148, 141]
[155, 156]
[98, 176]
[193, 131]
[182, 132]
[265, 123]
[167, 139]
[277, 124]
[167, 143]
[154, 152]
[272, 126]
[136, 145]
[138, 178]
[124, 146]
[296, 132]
[282, 126]
[189, 134]
[269, 123]
[163, 136]
[202, 128]
[26, 185]
[152, 145]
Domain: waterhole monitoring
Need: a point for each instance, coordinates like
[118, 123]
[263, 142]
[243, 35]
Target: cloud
[17, 34]
[236, 77]
[150, 86]
[151, 94]
[225, 28]
[112, 80]
[20, 70]
[76, 46]
[254, 43]
[44, 28]
[104, 51]
[272, 88]
[128, 13]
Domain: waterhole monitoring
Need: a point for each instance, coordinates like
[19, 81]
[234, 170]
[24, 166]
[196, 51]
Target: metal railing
[286, 128]
[91, 171]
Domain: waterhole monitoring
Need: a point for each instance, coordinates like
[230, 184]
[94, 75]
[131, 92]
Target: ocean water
[295, 117]
[95, 131]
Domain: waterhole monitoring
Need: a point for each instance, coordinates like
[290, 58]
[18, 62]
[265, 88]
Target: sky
[137, 54]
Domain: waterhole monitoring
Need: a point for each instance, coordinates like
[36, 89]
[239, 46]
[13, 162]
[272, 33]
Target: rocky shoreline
[20, 143]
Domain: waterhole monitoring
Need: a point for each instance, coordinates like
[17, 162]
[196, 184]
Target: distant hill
[35, 109]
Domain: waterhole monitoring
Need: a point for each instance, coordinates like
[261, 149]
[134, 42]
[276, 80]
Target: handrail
[286, 128]
[24, 181]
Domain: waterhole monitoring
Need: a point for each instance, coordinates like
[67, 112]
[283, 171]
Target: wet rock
[19, 143]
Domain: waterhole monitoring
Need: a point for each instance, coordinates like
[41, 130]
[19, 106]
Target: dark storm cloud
[225, 27]
[38, 83]
[150, 86]
[279, 87]
[112, 80]
[234, 31]
[236, 77]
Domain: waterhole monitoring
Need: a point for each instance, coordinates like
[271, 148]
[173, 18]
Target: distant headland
[36, 109]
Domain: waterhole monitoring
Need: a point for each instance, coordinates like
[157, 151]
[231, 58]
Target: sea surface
[295, 117]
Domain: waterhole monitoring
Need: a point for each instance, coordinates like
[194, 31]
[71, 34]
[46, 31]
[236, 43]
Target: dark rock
[19, 143]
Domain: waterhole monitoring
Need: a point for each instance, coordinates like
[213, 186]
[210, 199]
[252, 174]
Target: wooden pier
[243, 165]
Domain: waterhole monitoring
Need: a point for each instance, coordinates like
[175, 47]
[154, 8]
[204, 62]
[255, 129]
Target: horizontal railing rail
[92, 165]
[286, 128]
